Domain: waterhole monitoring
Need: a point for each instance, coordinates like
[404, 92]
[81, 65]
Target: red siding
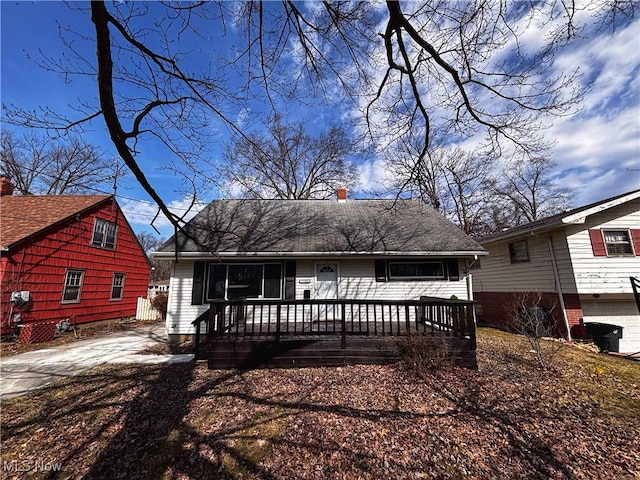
[40, 266]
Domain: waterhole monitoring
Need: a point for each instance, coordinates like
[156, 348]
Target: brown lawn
[506, 420]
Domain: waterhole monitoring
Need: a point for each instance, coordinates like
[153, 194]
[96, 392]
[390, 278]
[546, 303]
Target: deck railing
[278, 319]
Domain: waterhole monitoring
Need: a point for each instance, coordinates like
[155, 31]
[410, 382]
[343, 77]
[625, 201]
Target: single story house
[580, 262]
[66, 258]
[273, 251]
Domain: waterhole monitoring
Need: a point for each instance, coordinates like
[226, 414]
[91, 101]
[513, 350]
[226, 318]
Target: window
[416, 270]
[234, 281]
[117, 286]
[518, 251]
[104, 234]
[618, 242]
[72, 286]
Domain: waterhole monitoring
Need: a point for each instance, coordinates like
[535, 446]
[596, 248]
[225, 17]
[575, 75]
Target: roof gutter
[521, 233]
[187, 255]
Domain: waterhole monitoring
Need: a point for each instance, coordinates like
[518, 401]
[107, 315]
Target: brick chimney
[341, 194]
[6, 187]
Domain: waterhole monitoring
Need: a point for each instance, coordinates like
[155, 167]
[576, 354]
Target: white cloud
[598, 149]
[140, 213]
[372, 175]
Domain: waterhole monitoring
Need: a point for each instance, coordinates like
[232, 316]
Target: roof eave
[578, 217]
[539, 230]
[186, 255]
[581, 216]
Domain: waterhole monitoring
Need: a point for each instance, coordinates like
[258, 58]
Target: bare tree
[454, 68]
[287, 162]
[38, 165]
[160, 269]
[148, 241]
[530, 315]
[526, 188]
[454, 182]
[468, 180]
[424, 180]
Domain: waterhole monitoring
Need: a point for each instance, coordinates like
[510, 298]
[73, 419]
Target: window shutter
[290, 280]
[272, 280]
[216, 289]
[635, 239]
[380, 270]
[452, 269]
[197, 289]
[597, 242]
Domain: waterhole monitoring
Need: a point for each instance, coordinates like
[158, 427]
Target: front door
[326, 281]
[327, 289]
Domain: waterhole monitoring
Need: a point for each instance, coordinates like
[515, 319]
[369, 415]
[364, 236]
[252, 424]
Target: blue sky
[597, 150]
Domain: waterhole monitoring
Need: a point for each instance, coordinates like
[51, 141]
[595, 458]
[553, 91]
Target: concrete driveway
[25, 372]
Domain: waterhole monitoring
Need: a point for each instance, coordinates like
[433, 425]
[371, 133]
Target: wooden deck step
[249, 354]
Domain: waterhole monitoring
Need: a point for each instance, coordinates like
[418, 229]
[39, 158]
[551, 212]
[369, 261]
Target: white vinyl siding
[180, 312]
[356, 281]
[604, 275]
[498, 274]
[579, 269]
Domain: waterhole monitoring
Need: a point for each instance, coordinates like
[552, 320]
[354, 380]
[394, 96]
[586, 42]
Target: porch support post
[196, 348]
[343, 312]
[278, 311]
[471, 325]
[406, 320]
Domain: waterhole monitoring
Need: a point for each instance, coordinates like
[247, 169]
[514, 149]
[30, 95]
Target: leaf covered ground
[506, 420]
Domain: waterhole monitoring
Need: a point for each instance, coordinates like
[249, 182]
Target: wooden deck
[258, 333]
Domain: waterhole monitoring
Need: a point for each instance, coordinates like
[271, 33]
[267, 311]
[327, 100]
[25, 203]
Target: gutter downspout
[558, 286]
[470, 285]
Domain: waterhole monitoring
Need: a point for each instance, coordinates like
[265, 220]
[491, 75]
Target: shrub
[529, 317]
[421, 353]
[159, 303]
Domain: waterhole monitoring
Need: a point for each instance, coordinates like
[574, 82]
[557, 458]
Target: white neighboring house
[160, 286]
[580, 260]
[314, 249]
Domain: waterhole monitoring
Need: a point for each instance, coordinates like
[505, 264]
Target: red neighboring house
[65, 257]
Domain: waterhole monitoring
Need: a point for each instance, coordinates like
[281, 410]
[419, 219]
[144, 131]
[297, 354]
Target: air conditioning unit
[20, 297]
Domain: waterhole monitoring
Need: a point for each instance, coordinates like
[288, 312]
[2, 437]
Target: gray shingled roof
[322, 226]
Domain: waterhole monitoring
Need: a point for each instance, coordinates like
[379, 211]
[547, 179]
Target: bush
[529, 317]
[159, 303]
[421, 354]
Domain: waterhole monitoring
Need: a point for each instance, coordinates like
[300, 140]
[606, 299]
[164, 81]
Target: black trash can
[605, 335]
